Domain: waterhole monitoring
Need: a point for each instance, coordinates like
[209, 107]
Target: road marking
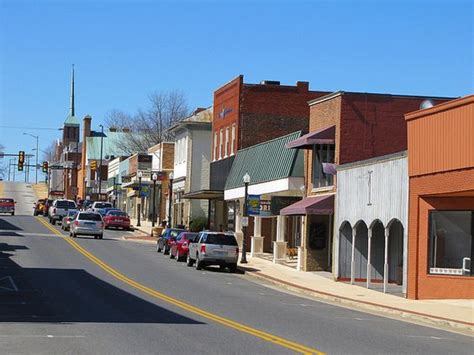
[302, 349]
[40, 336]
[13, 286]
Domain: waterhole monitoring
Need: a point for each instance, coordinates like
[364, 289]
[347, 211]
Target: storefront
[273, 182]
[441, 201]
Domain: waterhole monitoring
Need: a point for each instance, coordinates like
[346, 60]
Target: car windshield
[117, 213]
[65, 204]
[222, 239]
[6, 200]
[89, 217]
[103, 205]
[175, 232]
[190, 236]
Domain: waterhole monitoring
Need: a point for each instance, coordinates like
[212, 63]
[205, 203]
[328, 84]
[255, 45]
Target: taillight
[237, 250]
[203, 249]
[185, 244]
[76, 223]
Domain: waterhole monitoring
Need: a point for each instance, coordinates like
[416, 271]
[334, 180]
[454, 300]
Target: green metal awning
[267, 161]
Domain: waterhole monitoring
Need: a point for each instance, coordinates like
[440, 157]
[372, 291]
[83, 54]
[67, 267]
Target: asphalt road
[61, 295]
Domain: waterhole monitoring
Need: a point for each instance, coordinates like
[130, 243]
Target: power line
[30, 128]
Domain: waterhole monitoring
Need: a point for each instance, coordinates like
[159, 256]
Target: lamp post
[154, 177]
[171, 199]
[140, 174]
[243, 259]
[100, 165]
[37, 149]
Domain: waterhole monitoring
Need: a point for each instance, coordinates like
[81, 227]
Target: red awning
[322, 136]
[310, 205]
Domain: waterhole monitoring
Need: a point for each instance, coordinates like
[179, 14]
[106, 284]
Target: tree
[50, 153]
[148, 127]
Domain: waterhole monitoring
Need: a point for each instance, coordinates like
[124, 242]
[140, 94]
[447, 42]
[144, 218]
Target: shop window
[232, 142]
[450, 242]
[226, 147]
[215, 146]
[323, 158]
[221, 143]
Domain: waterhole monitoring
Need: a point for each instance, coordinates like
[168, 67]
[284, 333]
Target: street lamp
[243, 259]
[154, 177]
[100, 165]
[37, 140]
[171, 199]
[140, 174]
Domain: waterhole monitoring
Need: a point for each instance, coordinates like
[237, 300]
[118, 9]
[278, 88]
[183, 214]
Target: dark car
[163, 242]
[180, 247]
[46, 206]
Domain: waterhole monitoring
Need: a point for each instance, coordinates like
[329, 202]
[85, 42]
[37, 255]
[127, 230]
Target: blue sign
[253, 205]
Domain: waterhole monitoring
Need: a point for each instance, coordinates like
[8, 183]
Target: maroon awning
[310, 205]
[322, 136]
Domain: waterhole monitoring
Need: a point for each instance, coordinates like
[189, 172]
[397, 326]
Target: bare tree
[148, 127]
[49, 154]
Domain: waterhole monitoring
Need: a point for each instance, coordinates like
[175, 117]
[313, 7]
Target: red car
[117, 219]
[7, 205]
[179, 247]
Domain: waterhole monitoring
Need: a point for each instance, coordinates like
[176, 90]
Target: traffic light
[94, 165]
[21, 160]
[45, 167]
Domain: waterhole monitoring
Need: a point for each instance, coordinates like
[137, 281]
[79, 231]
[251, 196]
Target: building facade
[441, 200]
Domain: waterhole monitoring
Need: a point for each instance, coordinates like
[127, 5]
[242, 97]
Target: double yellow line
[187, 307]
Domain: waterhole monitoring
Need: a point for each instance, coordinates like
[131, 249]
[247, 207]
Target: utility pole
[101, 151]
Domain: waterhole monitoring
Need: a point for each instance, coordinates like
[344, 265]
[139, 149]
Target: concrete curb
[138, 240]
[455, 325]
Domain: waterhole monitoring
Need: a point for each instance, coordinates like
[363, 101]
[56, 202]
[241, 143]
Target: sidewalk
[458, 314]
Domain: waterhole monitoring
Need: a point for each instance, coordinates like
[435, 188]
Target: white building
[192, 155]
[371, 220]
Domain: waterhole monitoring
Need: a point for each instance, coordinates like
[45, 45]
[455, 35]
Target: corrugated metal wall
[442, 141]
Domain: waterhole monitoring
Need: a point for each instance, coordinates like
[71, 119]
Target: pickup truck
[214, 248]
[59, 209]
[7, 205]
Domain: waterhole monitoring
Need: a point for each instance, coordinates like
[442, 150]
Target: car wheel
[74, 235]
[165, 250]
[198, 263]
[233, 268]
[189, 261]
[171, 254]
[13, 213]
[158, 249]
[100, 236]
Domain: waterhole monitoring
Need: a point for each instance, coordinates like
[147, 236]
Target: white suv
[214, 248]
[59, 209]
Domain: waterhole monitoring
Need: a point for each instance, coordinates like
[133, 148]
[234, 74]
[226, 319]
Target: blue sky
[123, 51]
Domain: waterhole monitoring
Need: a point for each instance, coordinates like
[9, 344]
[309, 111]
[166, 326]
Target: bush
[198, 224]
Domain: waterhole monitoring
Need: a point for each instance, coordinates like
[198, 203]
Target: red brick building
[245, 115]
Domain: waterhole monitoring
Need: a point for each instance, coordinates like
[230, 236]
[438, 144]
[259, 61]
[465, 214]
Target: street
[60, 295]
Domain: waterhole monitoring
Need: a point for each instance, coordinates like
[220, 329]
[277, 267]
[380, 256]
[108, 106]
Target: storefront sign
[280, 202]
[265, 208]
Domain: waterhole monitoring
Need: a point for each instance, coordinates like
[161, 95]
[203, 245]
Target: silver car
[214, 248]
[87, 223]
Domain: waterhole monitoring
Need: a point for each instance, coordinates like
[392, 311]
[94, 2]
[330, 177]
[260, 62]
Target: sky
[125, 50]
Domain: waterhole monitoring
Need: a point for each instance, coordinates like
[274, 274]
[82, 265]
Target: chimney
[86, 133]
[303, 86]
[112, 129]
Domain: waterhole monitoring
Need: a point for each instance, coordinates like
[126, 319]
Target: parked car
[180, 247]
[59, 209]
[87, 223]
[7, 205]
[66, 222]
[214, 248]
[163, 242]
[38, 207]
[100, 207]
[46, 206]
[116, 219]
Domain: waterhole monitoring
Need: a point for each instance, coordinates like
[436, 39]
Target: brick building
[245, 115]
[344, 127]
[441, 200]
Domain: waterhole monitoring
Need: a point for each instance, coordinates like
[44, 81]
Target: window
[232, 142]
[215, 146]
[323, 154]
[221, 141]
[450, 242]
[226, 147]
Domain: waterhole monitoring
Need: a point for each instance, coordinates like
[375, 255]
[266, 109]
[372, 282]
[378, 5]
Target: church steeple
[71, 108]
